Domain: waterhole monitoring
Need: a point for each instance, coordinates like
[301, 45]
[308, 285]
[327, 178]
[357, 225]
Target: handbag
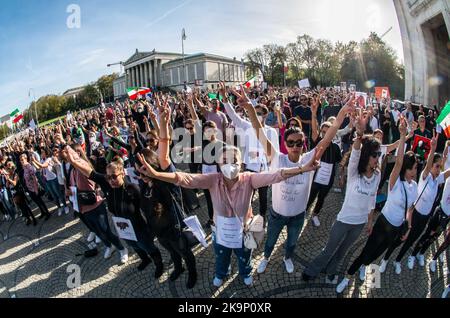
[186, 238]
[86, 197]
[253, 228]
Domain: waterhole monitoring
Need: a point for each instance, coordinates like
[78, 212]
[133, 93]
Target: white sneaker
[398, 268]
[442, 257]
[362, 273]
[124, 255]
[109, 251]
[316, 221]
[421, 259]
[446, 292]
[411, 262]
[433, 266]
[91, 237]
[97, 240]
[66, 210]
[342, 285]
[217, 282]
[16, 217]
[383, 266]
[229, 270]
[60, 211]
[289, 265]
[248, 281]
[262, 266]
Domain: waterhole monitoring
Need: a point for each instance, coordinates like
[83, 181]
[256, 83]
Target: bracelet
[301, 169]
[164, 139]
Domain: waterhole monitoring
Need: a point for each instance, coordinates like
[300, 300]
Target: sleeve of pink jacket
[196, 181]
[259, 180]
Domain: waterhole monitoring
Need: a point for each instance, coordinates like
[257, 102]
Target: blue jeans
[97, 221]
[55, 191]
[7, 203]
[275, 225]
[223, 259]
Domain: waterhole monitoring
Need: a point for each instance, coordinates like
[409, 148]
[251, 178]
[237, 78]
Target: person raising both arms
[289, 208]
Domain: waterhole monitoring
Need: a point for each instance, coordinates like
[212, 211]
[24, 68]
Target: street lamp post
[183, 38]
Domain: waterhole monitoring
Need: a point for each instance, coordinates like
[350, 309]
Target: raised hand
[434, 141]
[403, 127]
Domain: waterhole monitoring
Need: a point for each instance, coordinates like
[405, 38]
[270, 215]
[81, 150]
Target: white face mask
[261, 119]
[209, 133]
[230, 171]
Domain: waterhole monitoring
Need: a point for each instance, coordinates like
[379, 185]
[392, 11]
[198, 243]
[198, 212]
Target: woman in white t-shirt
[388, 227]
[49, 168]
[437, 225]
[429, 182]
[363, 177]
[290, 197]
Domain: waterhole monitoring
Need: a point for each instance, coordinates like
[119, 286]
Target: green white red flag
[444, 120]
[136, 92]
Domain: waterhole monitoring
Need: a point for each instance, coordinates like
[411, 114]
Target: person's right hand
[403, 127]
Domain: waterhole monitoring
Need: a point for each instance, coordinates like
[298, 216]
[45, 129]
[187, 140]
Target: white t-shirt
[447, 162]
[445, 201]
[426, 199]
[383, 150]
[394, 209]
[374, 123]
[361, 193]
[48, 173]
[290, 197]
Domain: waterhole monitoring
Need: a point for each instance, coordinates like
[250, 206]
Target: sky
[39, 51]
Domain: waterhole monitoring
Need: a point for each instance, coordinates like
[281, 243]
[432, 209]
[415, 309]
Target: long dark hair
[409, 160]
[369, 146]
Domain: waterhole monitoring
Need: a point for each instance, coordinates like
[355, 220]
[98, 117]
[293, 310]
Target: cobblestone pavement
[34, 262]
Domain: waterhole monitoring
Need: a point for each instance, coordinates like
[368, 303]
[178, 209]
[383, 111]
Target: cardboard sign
[304, 83]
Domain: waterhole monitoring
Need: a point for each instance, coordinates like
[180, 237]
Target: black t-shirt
[305, 114]
[157, 203]
[331, 111]
[139, 118]
[124, 202]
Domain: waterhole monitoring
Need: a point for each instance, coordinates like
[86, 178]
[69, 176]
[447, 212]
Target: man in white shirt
[255, 159]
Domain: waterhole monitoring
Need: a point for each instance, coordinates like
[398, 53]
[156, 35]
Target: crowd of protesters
[147, 161]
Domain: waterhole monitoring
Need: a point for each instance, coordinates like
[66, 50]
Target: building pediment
[137, 56]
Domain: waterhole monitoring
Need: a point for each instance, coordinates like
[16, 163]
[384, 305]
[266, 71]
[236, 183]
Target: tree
[269, 60]
[105, 86]
[89, 97]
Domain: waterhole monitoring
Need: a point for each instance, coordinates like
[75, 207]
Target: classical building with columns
[162, 69]
[425, 29]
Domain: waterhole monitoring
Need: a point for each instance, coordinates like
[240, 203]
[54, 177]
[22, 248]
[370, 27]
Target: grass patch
[51, 121]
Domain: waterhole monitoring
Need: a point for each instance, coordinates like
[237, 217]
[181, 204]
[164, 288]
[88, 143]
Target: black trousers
[24, 207]
[419, 222]
[382, 237]
[145, 247]
[178, 254]
[38, 200]
[262, 192]
[443, 246]
[436, 226]
[320, 192]
[209, 204]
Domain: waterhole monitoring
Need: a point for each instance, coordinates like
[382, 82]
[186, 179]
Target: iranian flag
[250, 83]
[16, 116]
[444, 120]
[136, 92]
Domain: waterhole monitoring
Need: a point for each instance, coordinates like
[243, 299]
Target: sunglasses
[113, 177]
[151, 140]
[303, 100]
[260, 114]
[376, 154]
[295, 143]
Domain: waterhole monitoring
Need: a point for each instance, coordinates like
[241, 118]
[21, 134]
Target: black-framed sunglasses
[295, 143]
[113, 176]
[376, 154]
